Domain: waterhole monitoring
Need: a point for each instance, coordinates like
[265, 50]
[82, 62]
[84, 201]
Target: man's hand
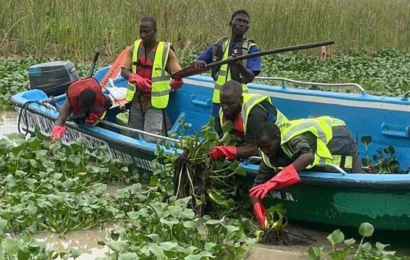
[200, 64]
[92, 119]
[58, 131]
[233, 62]
[260, 213]
[142, 83]
[176, 83]
[223, 152]
[286, 177]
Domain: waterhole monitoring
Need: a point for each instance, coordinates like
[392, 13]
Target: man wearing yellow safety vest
[226, 48]
[247, 112]
[147, 67]
[298, 145]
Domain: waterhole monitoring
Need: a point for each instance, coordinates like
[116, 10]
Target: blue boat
[338, 198]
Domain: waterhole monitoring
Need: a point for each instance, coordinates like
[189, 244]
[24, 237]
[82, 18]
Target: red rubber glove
[93, 118]
[286, 177]
[222, 152]
[142, 83]
[260, 213]
[176, 83]
[58, 131]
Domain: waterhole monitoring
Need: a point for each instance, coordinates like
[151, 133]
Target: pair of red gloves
[286, 177]
[145, 85]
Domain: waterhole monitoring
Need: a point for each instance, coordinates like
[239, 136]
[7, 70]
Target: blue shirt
[254, 64]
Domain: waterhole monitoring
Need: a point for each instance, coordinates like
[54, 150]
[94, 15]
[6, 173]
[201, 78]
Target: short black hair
[234, 86]
[87, 97]
[151, 20]
[240, 12]
[269, 130]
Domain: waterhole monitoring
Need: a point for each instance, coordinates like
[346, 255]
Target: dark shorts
[343, 143]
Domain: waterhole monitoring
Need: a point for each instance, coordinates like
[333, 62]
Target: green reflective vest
[249, 102]
[223, 75]
[321, 127]
[160, 78]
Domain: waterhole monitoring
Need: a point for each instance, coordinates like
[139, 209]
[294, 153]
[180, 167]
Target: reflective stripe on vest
[249, 102]
[348, 161]
[160, 78]
[321, 127]
[224, 76]
[266, 160]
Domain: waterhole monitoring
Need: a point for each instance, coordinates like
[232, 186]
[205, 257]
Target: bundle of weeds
[211, 184]
[274, 232]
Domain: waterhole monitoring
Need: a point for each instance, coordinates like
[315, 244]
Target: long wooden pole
[191, 70]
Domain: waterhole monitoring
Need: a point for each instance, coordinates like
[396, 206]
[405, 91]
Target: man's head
[268, 138]
[148, 30]
[86, 100]
[231, 99]
[239, 23]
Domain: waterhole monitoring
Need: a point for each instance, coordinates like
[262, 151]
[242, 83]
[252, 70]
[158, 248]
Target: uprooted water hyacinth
[210, 183]
[274, 231]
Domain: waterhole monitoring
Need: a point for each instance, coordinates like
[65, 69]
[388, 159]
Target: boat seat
[178, 126]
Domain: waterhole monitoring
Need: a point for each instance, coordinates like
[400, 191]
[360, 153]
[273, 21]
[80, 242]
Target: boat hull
[327, 198]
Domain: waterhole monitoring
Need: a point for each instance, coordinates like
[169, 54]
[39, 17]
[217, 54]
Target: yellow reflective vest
[224, 74]
[160, 78]
[321, 127]
[249, 102]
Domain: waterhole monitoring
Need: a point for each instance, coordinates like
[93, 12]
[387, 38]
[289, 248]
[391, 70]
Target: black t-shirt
[258, 115]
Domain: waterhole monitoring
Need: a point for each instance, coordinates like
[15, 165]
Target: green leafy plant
[345, 249]
[171, 230]
[274, 232]
[196, 175]
[57, 191]
[28, 248]
[384, 162]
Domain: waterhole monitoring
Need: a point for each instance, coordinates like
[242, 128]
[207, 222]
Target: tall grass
[76, 28]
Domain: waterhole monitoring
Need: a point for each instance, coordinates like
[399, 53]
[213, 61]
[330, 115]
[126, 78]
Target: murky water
[87, 240]
[87, 243]
[8, 123]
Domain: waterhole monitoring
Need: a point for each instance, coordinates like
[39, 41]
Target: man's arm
[173, 65]
[302, 151]
[256, 117]
[205, 58]
[246, 151]
[303, 161]
[125, 73]
[64, 113]
[253, 67]
[127, 64]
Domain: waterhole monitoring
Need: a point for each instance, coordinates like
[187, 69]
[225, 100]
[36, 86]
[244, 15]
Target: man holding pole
[226, 49]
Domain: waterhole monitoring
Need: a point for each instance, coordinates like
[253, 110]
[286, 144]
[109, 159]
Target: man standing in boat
[147, 67]
[85, 104]
[246, 112]
[295, 146]
[237, 45]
